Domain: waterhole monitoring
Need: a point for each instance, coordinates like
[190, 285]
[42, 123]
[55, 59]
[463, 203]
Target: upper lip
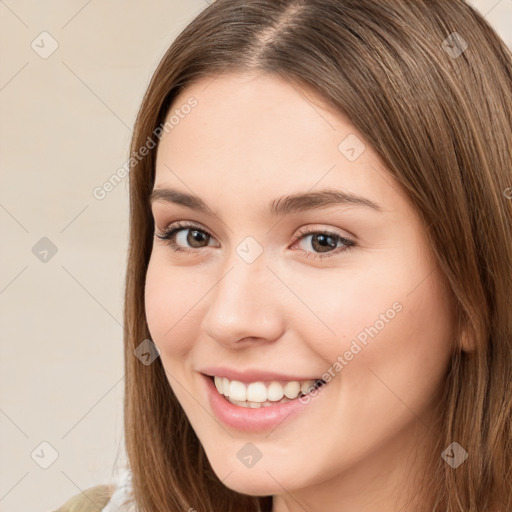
[251, 375]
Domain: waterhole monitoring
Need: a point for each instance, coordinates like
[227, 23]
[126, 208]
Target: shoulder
[115, 497]
[92, 499]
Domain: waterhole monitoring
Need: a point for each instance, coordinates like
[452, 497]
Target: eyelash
[168, 237]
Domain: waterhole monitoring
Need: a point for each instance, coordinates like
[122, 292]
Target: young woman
[318, 304]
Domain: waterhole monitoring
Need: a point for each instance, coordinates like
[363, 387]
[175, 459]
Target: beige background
[66, 126]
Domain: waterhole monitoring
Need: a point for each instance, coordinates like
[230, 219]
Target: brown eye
[323, 243]
[196, 238]
[184, 237]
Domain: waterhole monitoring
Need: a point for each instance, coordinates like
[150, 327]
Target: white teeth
[275, 392]
[219, 384]
[258, 394]
[291, 389]
[306, 386]
[225, 385]
[239, 402]
[237, 391]
[255, 405]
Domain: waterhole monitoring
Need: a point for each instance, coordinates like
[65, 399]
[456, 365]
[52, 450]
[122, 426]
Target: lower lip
[253, 419]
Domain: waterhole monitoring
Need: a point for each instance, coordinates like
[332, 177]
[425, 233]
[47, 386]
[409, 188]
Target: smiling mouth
[263, 394]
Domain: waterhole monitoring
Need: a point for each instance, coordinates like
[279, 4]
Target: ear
[466, 339]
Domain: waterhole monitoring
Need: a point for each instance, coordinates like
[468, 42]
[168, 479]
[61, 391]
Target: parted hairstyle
[428, 83]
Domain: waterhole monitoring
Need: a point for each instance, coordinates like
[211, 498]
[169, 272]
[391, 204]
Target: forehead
[255, 106]
[258, 133]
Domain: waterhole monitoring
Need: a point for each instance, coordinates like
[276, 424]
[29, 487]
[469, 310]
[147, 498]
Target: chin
[252, 485]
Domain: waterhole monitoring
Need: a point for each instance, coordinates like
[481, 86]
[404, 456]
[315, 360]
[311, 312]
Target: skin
[359, 444]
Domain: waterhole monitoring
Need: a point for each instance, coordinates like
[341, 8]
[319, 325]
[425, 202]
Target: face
[268, 294]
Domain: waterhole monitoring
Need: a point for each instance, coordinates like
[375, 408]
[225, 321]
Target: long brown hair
[428, 83]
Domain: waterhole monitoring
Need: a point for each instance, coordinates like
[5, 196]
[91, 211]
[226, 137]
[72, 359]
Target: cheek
[354, 305]
[171, 303]
[394, 322]
[403, 363]
[158, 302]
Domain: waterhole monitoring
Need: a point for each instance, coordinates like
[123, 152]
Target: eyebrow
[284, 205]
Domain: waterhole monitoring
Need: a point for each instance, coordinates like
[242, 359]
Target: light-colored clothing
[121, 493]
[107, 498]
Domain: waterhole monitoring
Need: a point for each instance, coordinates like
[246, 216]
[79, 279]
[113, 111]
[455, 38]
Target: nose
[244, 305]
